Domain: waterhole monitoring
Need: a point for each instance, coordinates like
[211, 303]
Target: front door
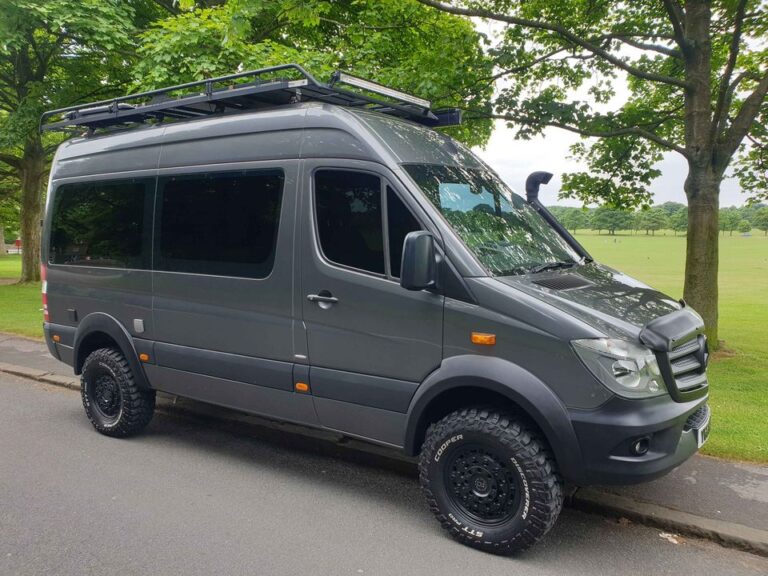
[370, 342]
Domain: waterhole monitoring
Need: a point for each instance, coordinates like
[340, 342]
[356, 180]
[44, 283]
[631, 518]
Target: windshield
[504, 232]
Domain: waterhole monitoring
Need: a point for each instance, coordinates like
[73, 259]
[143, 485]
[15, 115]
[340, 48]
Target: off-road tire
[531, 469]
[125, 409]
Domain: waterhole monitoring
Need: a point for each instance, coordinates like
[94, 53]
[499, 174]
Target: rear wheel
[489, 480]
[113, 402]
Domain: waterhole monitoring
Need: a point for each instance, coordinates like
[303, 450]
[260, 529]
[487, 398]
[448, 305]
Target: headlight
[627, 369]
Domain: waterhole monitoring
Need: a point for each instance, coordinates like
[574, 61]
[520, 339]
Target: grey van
[317, 253]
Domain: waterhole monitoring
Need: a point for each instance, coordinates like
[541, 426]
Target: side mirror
[418, 269]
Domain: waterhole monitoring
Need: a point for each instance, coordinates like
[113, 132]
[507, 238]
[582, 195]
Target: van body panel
[247, 369]
[236, 315]
[262, 400]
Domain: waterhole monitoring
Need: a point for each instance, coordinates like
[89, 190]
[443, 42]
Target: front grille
[697, 419]
[685, 365]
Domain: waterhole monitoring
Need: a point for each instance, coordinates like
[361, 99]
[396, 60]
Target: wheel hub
[481, 484]
[106, 395]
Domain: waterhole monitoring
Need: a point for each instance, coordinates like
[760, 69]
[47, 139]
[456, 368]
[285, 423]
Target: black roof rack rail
[241, 92]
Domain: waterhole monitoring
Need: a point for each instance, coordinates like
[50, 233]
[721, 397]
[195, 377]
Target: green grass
[738, 376]
[19, 303]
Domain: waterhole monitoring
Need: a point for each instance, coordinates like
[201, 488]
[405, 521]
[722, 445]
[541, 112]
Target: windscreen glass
[506, 234]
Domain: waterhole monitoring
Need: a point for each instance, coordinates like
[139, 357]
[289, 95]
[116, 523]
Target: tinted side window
[400, 223]
[102, 224]
[348, 209]
[221, 223]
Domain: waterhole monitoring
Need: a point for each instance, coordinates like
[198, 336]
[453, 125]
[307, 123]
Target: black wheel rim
[482, 484]
[105, 396]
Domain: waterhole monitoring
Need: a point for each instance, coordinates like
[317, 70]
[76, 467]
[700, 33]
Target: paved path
[190, 498]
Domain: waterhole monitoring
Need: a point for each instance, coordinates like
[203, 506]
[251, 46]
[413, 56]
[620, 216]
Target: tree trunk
[701, 262]
[32, 178]
[3, 251]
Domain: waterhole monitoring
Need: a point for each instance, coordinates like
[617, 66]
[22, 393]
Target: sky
[515, 159]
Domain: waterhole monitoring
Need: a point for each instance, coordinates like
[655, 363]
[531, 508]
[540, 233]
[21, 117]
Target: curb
[727, 534]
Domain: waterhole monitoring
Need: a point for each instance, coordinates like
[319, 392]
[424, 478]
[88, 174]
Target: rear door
[370, 342]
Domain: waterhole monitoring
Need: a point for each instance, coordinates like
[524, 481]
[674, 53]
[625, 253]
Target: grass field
[739, 375]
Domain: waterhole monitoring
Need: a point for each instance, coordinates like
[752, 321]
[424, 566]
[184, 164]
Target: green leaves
[395, 42]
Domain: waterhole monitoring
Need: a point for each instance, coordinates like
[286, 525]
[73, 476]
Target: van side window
[222, 224]
[106, 224]
[348, 209]
[400, 223]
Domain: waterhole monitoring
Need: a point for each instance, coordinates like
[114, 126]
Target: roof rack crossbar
[263, 87]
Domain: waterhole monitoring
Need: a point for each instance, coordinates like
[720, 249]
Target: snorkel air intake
[532, 185]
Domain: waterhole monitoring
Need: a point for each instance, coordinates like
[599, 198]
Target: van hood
[610, 301]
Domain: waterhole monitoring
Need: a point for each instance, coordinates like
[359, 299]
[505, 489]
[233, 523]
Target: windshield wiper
[552, 266]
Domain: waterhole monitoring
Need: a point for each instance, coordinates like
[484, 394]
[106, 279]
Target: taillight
[43, 280]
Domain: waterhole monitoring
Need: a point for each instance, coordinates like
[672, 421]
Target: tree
[729, 220]
[611, 220]
[652, 220]
[744, 226]
[697, 75]
[575, 219]
[54, 53]
[679, 221]
[391, 41]
[671, 207]
[761, 220]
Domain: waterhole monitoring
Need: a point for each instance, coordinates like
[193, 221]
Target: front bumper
[606, 436]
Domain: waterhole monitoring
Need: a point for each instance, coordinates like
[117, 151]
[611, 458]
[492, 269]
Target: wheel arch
[481, 380]
[100, 330]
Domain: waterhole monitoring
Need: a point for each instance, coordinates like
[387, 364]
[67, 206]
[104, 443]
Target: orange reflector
[144, 357]
[56, 338]
[301, 387]
[483, 338]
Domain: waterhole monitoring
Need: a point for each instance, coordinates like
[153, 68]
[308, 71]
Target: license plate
[702, 434]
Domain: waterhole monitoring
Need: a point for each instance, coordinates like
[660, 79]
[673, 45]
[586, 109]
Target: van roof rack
[273, 86]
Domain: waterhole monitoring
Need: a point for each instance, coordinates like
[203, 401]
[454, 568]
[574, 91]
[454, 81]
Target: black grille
[697, 419]
[563, 282]
[685, 366]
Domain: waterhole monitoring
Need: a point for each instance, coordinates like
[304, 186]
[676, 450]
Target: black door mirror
[419, 266]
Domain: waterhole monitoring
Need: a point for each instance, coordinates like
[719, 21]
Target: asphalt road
[191, 498]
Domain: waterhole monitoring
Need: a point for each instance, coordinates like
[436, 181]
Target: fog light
[640, 446]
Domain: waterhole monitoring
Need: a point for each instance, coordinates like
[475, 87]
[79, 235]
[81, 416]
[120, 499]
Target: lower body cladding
[633, 441]
[357, 405]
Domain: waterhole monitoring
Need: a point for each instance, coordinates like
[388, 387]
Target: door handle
[323, 298]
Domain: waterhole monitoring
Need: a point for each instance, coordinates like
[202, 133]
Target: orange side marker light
[56, 338]
[144, 357]
[483, 339]
[301, 387]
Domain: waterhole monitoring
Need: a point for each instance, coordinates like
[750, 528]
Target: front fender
[99, 322]
[509, 380]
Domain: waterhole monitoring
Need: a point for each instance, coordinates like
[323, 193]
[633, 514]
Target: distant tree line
[667, 216]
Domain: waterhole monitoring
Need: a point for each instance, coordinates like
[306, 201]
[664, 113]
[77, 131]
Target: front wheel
[489, 480]
[113, 402]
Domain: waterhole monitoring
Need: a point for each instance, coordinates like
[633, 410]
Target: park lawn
[738, 375]
[19, 303]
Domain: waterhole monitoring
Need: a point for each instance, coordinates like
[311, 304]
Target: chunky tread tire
[514, 439]
[137, 404]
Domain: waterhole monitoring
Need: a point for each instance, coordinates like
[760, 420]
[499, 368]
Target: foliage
[399, 43]
[760, 220]
[611, 219]
[652, 219]
[729, 219]
[551, 55]
[744, 226]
